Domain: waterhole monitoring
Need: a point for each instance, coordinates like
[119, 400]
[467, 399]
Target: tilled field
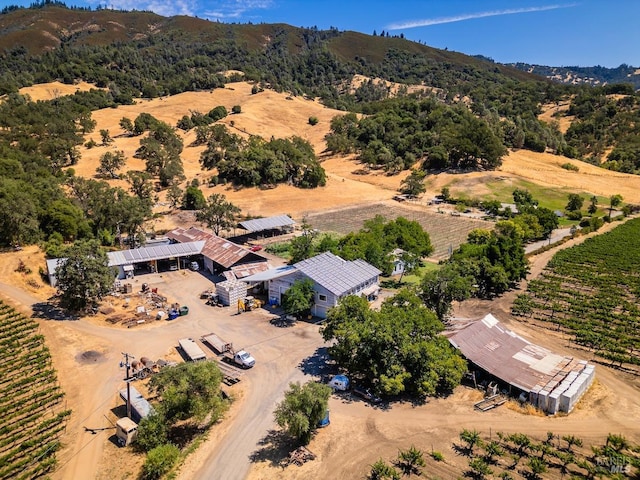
[447, 232]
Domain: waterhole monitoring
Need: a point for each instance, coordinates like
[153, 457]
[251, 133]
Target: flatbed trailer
[217, 343]
[191, 349]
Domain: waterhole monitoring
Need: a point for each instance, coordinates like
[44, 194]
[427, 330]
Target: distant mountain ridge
[584, 75]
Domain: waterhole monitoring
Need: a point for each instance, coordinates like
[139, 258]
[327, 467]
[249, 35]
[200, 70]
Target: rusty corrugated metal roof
[218, 249]
[246, 269]
[508, 356]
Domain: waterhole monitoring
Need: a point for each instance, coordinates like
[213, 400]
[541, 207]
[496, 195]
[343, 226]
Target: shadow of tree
[51, 311]
[319, 364]
[274, 448]
[461, 450]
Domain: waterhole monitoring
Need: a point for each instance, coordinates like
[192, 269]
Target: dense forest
[470, 111]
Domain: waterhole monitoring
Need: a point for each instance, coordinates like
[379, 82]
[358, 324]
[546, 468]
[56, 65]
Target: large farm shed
[333, 278]
[127, 260]
[221, 255]
[278, 223]
[553, 383]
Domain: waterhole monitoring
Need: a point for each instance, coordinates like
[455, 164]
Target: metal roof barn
[126, 258]
[517, 362]
[220, 250]
[269, 223]
[159, 252]
[335, 274]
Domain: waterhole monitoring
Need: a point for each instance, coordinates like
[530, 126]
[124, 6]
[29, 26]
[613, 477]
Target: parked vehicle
[194, 266]
[239, 357]
[217, 343]
[242, 358]
[191, 349]
[366, 394]
[339, 382]
[126, 431]
[140, 407]
[248, 303]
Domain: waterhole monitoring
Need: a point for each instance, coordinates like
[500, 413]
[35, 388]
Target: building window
[322, 298]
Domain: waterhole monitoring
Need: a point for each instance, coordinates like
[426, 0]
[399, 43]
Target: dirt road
[87, 356]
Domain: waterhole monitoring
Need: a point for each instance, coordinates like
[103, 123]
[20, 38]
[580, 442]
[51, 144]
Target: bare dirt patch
[557, 113]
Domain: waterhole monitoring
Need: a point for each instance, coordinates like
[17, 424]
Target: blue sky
[553, 32]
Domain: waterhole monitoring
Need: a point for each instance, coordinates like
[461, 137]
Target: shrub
[159, 461]
[437, 456]
[313, 121]
[152, 433]
[236, 109]
[218, 113]
[91, 143]
[574, 215]
[570, 166]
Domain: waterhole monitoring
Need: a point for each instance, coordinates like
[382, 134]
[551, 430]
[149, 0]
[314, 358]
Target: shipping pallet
[490, 402]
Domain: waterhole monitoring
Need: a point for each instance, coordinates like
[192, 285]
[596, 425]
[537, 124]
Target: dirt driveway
[87, 355]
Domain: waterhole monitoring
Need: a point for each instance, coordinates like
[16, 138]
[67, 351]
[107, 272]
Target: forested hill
[55, 31]
[585, 75]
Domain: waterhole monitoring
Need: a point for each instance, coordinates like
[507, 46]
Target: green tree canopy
[85, 277]
[299, 298]
[302, 409]
[218, 213]
[414, 185]
[193, 199]
[376, 241]
[574, 202]
[397, 350]
[110, 162]
[189, 391]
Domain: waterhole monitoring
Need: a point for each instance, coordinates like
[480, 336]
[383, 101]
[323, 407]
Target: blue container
[325, 421]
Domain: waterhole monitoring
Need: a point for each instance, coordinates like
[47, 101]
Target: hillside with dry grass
[271, 114]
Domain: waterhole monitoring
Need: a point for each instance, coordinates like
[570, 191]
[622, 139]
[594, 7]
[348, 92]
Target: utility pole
[126, 364]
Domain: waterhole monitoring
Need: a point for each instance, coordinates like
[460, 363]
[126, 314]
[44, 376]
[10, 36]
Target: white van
[194, 266]
[339, 382]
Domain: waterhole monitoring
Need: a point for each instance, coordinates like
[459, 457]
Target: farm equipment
[214, 300]
[239, 357]
[248, 303]
[142, 368]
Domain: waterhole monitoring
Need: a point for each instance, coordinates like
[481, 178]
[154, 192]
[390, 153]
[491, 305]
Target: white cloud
[233, 9]
[469, 16]
[165, 8]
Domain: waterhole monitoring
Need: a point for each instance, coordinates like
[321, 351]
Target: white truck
[239, 357]
[191, 349]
